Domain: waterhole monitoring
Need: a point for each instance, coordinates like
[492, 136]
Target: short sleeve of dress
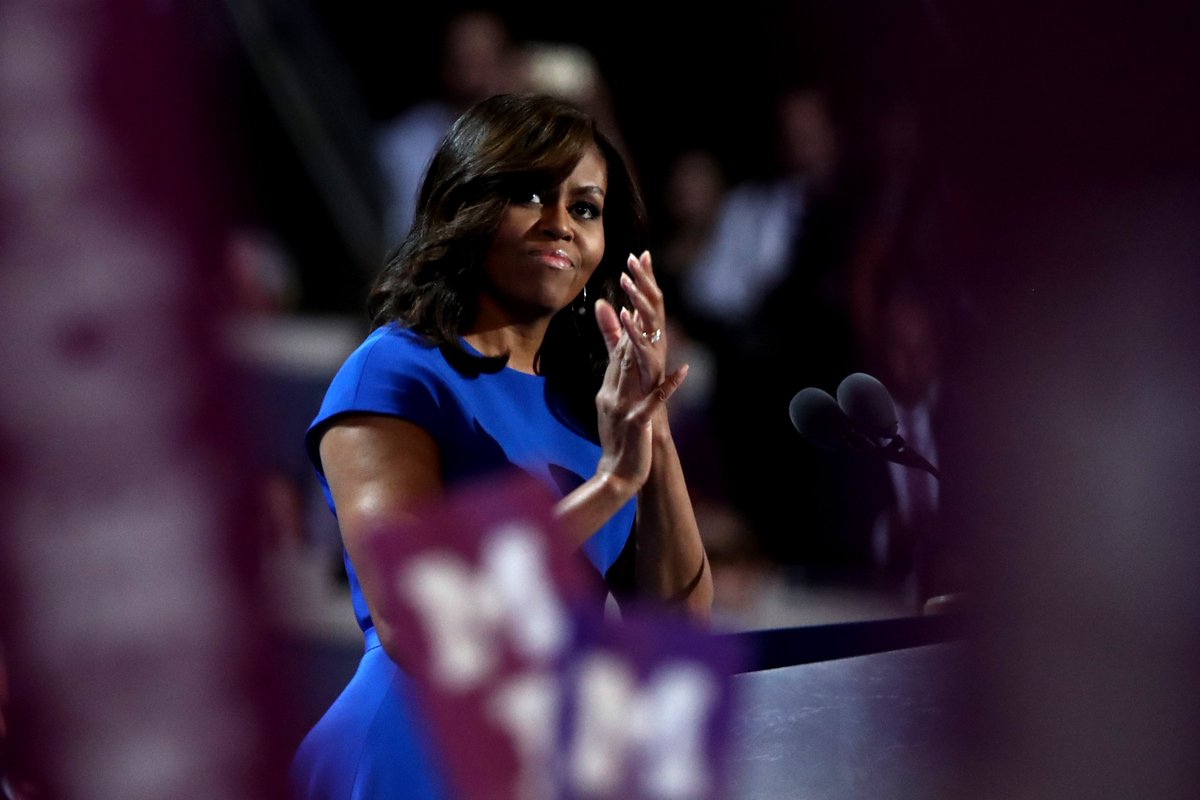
[389, 373]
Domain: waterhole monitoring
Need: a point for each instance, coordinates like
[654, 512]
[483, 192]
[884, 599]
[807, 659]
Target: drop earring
[581, 309]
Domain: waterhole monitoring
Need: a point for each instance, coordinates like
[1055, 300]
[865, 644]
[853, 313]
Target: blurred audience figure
[909, 542]
[570, 71]
[567, 70]
[766, 295]
[755, 239]
[892, 161]
[906, 294]
[280, 360]
[261, 276]
[692, 191]
[914, 223]
[688, 204]
[477, 61]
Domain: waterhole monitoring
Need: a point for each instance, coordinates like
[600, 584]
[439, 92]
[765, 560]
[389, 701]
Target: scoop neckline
[510, 370]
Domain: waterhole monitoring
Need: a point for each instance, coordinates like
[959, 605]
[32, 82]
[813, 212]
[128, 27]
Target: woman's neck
[521, 342]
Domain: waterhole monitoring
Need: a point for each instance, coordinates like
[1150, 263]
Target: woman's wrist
[619, 489]
[660, 427]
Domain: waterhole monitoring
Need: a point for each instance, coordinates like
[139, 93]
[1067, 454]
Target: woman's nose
[556, 221]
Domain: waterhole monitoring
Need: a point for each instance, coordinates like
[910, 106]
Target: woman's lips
[555, 259]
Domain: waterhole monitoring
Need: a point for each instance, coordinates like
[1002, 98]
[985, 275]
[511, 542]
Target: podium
[873, 726]
[841, 711]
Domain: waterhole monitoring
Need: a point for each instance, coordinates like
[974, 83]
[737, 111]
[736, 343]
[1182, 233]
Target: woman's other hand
[646, 322]
[625, 404]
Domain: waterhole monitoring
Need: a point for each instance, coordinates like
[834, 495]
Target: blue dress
[372, 742]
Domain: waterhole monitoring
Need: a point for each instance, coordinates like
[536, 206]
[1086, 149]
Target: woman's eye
[527, 197]
[587, 210]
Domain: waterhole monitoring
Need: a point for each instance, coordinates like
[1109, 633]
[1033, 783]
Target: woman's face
[548, 244]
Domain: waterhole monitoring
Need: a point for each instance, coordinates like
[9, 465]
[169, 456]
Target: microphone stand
[894, 449]
[898, 451]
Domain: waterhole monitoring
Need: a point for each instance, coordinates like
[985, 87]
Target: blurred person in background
[569, 71]
[692, 192]
[756, 234]
[907, 294]
[477, 61]
[909, 540]
[765, 295]
[688, 206]
[498, 344]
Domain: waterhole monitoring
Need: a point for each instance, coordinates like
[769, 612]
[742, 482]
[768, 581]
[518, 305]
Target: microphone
[862, 418]
[819, 418]
[869, 405]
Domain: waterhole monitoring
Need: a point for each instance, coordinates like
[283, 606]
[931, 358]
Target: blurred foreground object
[532, 694]
[130, 635]
[1078, 488]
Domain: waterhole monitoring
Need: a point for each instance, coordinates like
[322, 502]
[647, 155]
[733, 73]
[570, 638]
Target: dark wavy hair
[431, 282]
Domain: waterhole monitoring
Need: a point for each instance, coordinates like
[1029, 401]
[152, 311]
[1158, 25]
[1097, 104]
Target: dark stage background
[679, 75]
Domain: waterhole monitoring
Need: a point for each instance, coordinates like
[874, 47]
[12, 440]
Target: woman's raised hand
[636, 384]
[646, 322]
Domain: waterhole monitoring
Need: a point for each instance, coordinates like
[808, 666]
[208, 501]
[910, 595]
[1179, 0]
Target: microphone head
[819, 418]
[868, 404]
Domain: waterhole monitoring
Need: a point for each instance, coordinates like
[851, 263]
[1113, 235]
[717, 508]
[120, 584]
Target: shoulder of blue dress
[390, 346]
[396, 335]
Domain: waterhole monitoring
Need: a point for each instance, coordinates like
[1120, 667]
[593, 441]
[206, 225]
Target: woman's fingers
[610, 325]
[644, 294]
[667, 387]
[624, 383]
[622, 366]
[643, 343]
[627, 413]
[649, 354]
[661, 394]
